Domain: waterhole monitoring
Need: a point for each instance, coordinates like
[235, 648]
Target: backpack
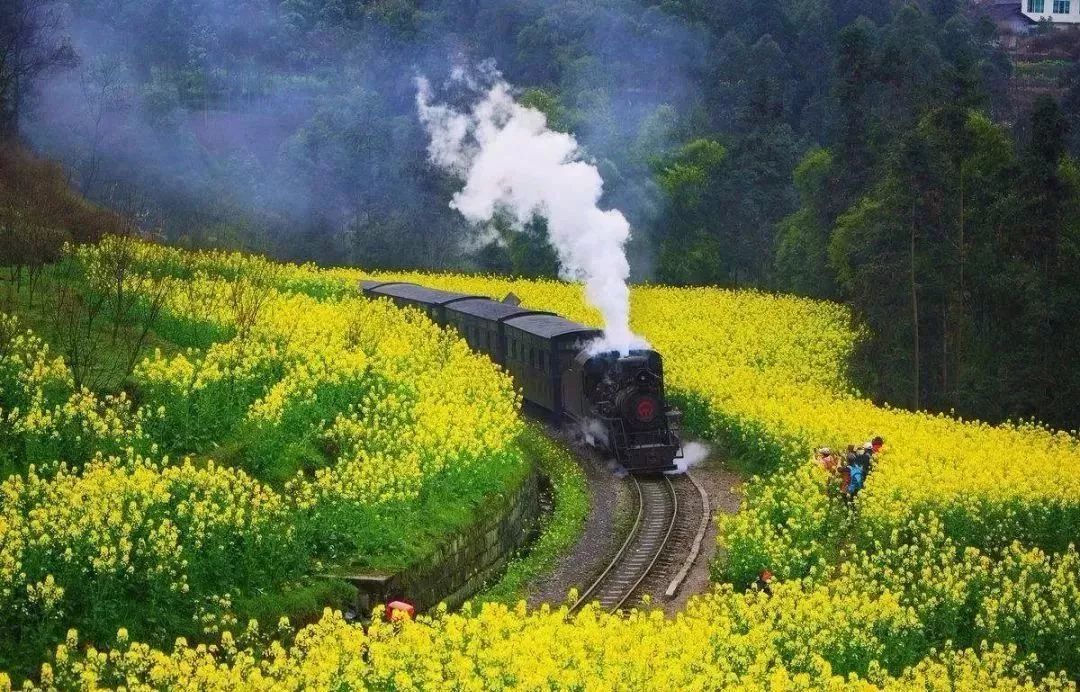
[858, 475]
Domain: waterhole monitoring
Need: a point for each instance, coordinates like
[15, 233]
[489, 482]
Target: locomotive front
[626, 395]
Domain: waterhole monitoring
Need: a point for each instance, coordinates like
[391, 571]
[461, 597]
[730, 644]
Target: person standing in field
[764, 582]
[827, 459]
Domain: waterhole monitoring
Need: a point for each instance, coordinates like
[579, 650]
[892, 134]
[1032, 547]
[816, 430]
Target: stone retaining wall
[465, 562]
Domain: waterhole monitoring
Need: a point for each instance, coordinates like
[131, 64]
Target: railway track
[643, 552]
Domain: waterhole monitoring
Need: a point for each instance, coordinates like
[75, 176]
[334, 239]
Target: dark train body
[619, 400]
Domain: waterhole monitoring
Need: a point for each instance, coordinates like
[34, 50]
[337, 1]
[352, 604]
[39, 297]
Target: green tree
[1031, 291]
[524, 251]
[851, 93]
[689, 251]
[802, 263]
[31, 43]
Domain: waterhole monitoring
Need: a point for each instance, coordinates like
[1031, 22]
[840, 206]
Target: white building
[1058, 11]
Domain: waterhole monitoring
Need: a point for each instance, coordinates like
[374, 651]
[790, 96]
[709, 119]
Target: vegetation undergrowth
[560, 529]
[46, 309]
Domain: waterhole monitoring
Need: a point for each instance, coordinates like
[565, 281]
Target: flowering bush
[344, 421]
[44, 418]
[338, 424]
[91, 543]
[715, 644]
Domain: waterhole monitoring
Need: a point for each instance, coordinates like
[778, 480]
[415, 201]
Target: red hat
[399, 610]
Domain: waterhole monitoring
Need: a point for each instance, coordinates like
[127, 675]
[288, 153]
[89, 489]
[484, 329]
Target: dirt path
[723, 487]
[606, 525]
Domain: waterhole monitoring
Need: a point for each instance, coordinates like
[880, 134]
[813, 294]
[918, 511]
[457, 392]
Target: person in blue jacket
[858, 477]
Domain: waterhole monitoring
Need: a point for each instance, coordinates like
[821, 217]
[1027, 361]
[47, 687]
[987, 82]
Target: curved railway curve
[646, 556]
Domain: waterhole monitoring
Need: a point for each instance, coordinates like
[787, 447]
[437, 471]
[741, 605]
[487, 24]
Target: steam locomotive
[618, 400]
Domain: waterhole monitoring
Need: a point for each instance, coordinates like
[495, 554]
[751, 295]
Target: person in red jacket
[764, 581]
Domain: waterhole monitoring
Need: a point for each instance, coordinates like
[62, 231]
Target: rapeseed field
[955, 568]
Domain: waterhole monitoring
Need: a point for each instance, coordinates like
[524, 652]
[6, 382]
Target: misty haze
[292, 128]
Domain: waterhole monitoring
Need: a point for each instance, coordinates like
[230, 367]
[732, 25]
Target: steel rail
[695, 549]
[659, 548]
[622, 550]
[644, 552]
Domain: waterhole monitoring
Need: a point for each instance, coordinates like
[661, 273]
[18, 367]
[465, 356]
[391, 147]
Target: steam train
[617, 399]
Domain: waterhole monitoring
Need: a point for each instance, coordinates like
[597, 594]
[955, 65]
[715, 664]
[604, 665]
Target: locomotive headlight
[646, 409]
[639, 409]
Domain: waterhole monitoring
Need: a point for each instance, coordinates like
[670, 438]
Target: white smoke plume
[510, 160]
[592, 432]
[693, 454]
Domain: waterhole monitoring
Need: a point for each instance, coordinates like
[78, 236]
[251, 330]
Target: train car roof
[491, 309]
[551, 326]
[368, 284]
[420, 294]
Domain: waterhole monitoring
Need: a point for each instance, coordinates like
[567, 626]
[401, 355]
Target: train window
[543, 361]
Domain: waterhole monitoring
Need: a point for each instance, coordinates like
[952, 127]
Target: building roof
[1005, 10]
[419, 294]
[551, 326]
[491, 309]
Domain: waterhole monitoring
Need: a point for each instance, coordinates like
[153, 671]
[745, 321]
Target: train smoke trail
[511, 161]
[693, 454]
